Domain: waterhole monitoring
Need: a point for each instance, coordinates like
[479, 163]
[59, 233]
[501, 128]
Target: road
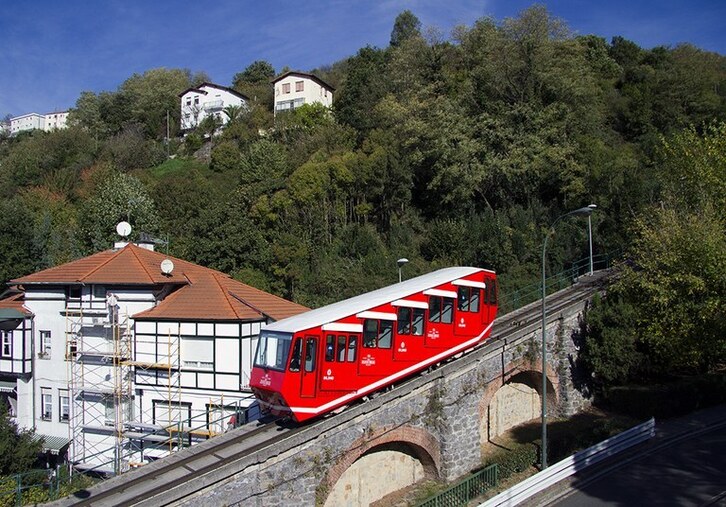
[685, 465]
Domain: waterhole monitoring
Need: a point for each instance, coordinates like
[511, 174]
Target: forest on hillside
[446, 149]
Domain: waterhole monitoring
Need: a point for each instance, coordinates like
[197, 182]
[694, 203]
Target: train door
[490, 294]
[339, 368]
[310, 359]
[468, 308]
[376, 353]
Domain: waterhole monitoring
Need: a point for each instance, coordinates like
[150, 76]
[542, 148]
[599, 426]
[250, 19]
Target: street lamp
[400, 263]
[586, 211]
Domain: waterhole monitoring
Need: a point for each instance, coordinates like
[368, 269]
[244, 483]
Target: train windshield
[272, 350]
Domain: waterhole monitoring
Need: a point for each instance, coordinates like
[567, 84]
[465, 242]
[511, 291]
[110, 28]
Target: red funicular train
[323, 359]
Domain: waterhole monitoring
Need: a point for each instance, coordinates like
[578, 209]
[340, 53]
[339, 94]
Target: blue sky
[51, 50]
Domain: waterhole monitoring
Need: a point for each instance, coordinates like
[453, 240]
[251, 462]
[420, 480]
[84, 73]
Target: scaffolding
[106, 433]
[112, 428]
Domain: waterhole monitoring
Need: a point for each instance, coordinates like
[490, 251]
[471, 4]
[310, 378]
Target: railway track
[161, 482]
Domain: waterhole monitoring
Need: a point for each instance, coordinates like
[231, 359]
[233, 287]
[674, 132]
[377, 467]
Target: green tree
[18, 449]
[119, 197]
[405, 26]
[258, 72]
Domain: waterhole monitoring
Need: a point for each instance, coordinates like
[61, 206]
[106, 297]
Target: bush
[516, 460]
[668, 400]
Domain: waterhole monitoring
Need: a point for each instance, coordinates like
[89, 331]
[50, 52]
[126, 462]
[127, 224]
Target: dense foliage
[457, 149]
[18, 449]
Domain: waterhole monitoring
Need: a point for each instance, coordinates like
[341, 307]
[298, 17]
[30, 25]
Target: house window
[99, 292]
[44, 343]
[286, 88]
[189, 102]
[196, 101]
[299, 86]
[46, 403]
[7, 343]
[73, 293]
[64, 407]
[377, 333]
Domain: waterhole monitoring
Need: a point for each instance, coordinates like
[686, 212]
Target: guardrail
[513, 300]
[575, 463]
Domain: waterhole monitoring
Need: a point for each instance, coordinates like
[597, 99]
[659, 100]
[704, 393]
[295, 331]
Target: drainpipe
[32, 366]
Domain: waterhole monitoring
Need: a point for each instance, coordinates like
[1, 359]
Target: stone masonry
[437, 418]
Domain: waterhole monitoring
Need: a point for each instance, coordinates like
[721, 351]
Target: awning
[10, 314]
[7, 386]
[51, 444]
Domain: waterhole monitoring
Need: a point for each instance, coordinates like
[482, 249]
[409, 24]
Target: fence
[459, 494]
[39, 486]
[513, 300]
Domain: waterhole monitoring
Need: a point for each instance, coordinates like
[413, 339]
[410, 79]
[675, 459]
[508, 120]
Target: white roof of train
[357, 304]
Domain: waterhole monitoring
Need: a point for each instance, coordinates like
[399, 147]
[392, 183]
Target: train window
[441, 309]
[273, 350]
[295, 359]
[370, 333]
[310, 354]
[434, 309]
[385, 334]
[341, 348]
[377, 333]
[330, 347]
[491, 291]
[410, 321]
[418, 321]
[468, 300]
[352, 343]
[404, 320]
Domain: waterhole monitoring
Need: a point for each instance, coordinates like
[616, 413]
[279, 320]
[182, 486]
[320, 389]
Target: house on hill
[205, 100]
[293, 89]
[128, 354]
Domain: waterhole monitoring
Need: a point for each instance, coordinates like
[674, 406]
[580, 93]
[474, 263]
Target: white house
[30, 121]
[123, 356]
[35, 121]
[56, 120]
[293, 89]
[208, 99]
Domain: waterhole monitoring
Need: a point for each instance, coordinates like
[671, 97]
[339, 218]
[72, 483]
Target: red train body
[318, 361]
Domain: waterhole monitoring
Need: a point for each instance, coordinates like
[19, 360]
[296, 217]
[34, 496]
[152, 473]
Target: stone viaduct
[431, 427]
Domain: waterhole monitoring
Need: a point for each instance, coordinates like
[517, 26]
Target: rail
[224, 456]
[575, 463]
[514, 300]
[463, 491]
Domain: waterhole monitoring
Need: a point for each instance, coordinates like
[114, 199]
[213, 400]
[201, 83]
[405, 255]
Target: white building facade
[116, 359]
[293, 89]
[34, 121]
[205, 100]
[56, 120]
[30, 121]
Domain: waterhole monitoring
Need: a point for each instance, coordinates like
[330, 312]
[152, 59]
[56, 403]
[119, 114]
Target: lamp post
[586, 211]
[400, 263]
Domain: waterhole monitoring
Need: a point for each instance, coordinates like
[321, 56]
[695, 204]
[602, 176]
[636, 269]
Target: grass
[177, 166]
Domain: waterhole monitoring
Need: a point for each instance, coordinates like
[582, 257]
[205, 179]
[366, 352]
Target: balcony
[213, 105]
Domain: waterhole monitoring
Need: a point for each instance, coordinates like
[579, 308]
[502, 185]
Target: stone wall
[434, 423]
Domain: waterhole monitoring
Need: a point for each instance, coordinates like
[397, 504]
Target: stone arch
[413, 449]
[520, 382]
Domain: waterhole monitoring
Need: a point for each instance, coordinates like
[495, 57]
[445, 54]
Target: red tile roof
[200, 293]
[15, 302]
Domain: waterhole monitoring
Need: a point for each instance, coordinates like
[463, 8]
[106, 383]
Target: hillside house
[293, 89]
[205, 100]
[128, 354]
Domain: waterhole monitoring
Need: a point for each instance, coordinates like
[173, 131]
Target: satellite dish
[167, 266]
[123, 229]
